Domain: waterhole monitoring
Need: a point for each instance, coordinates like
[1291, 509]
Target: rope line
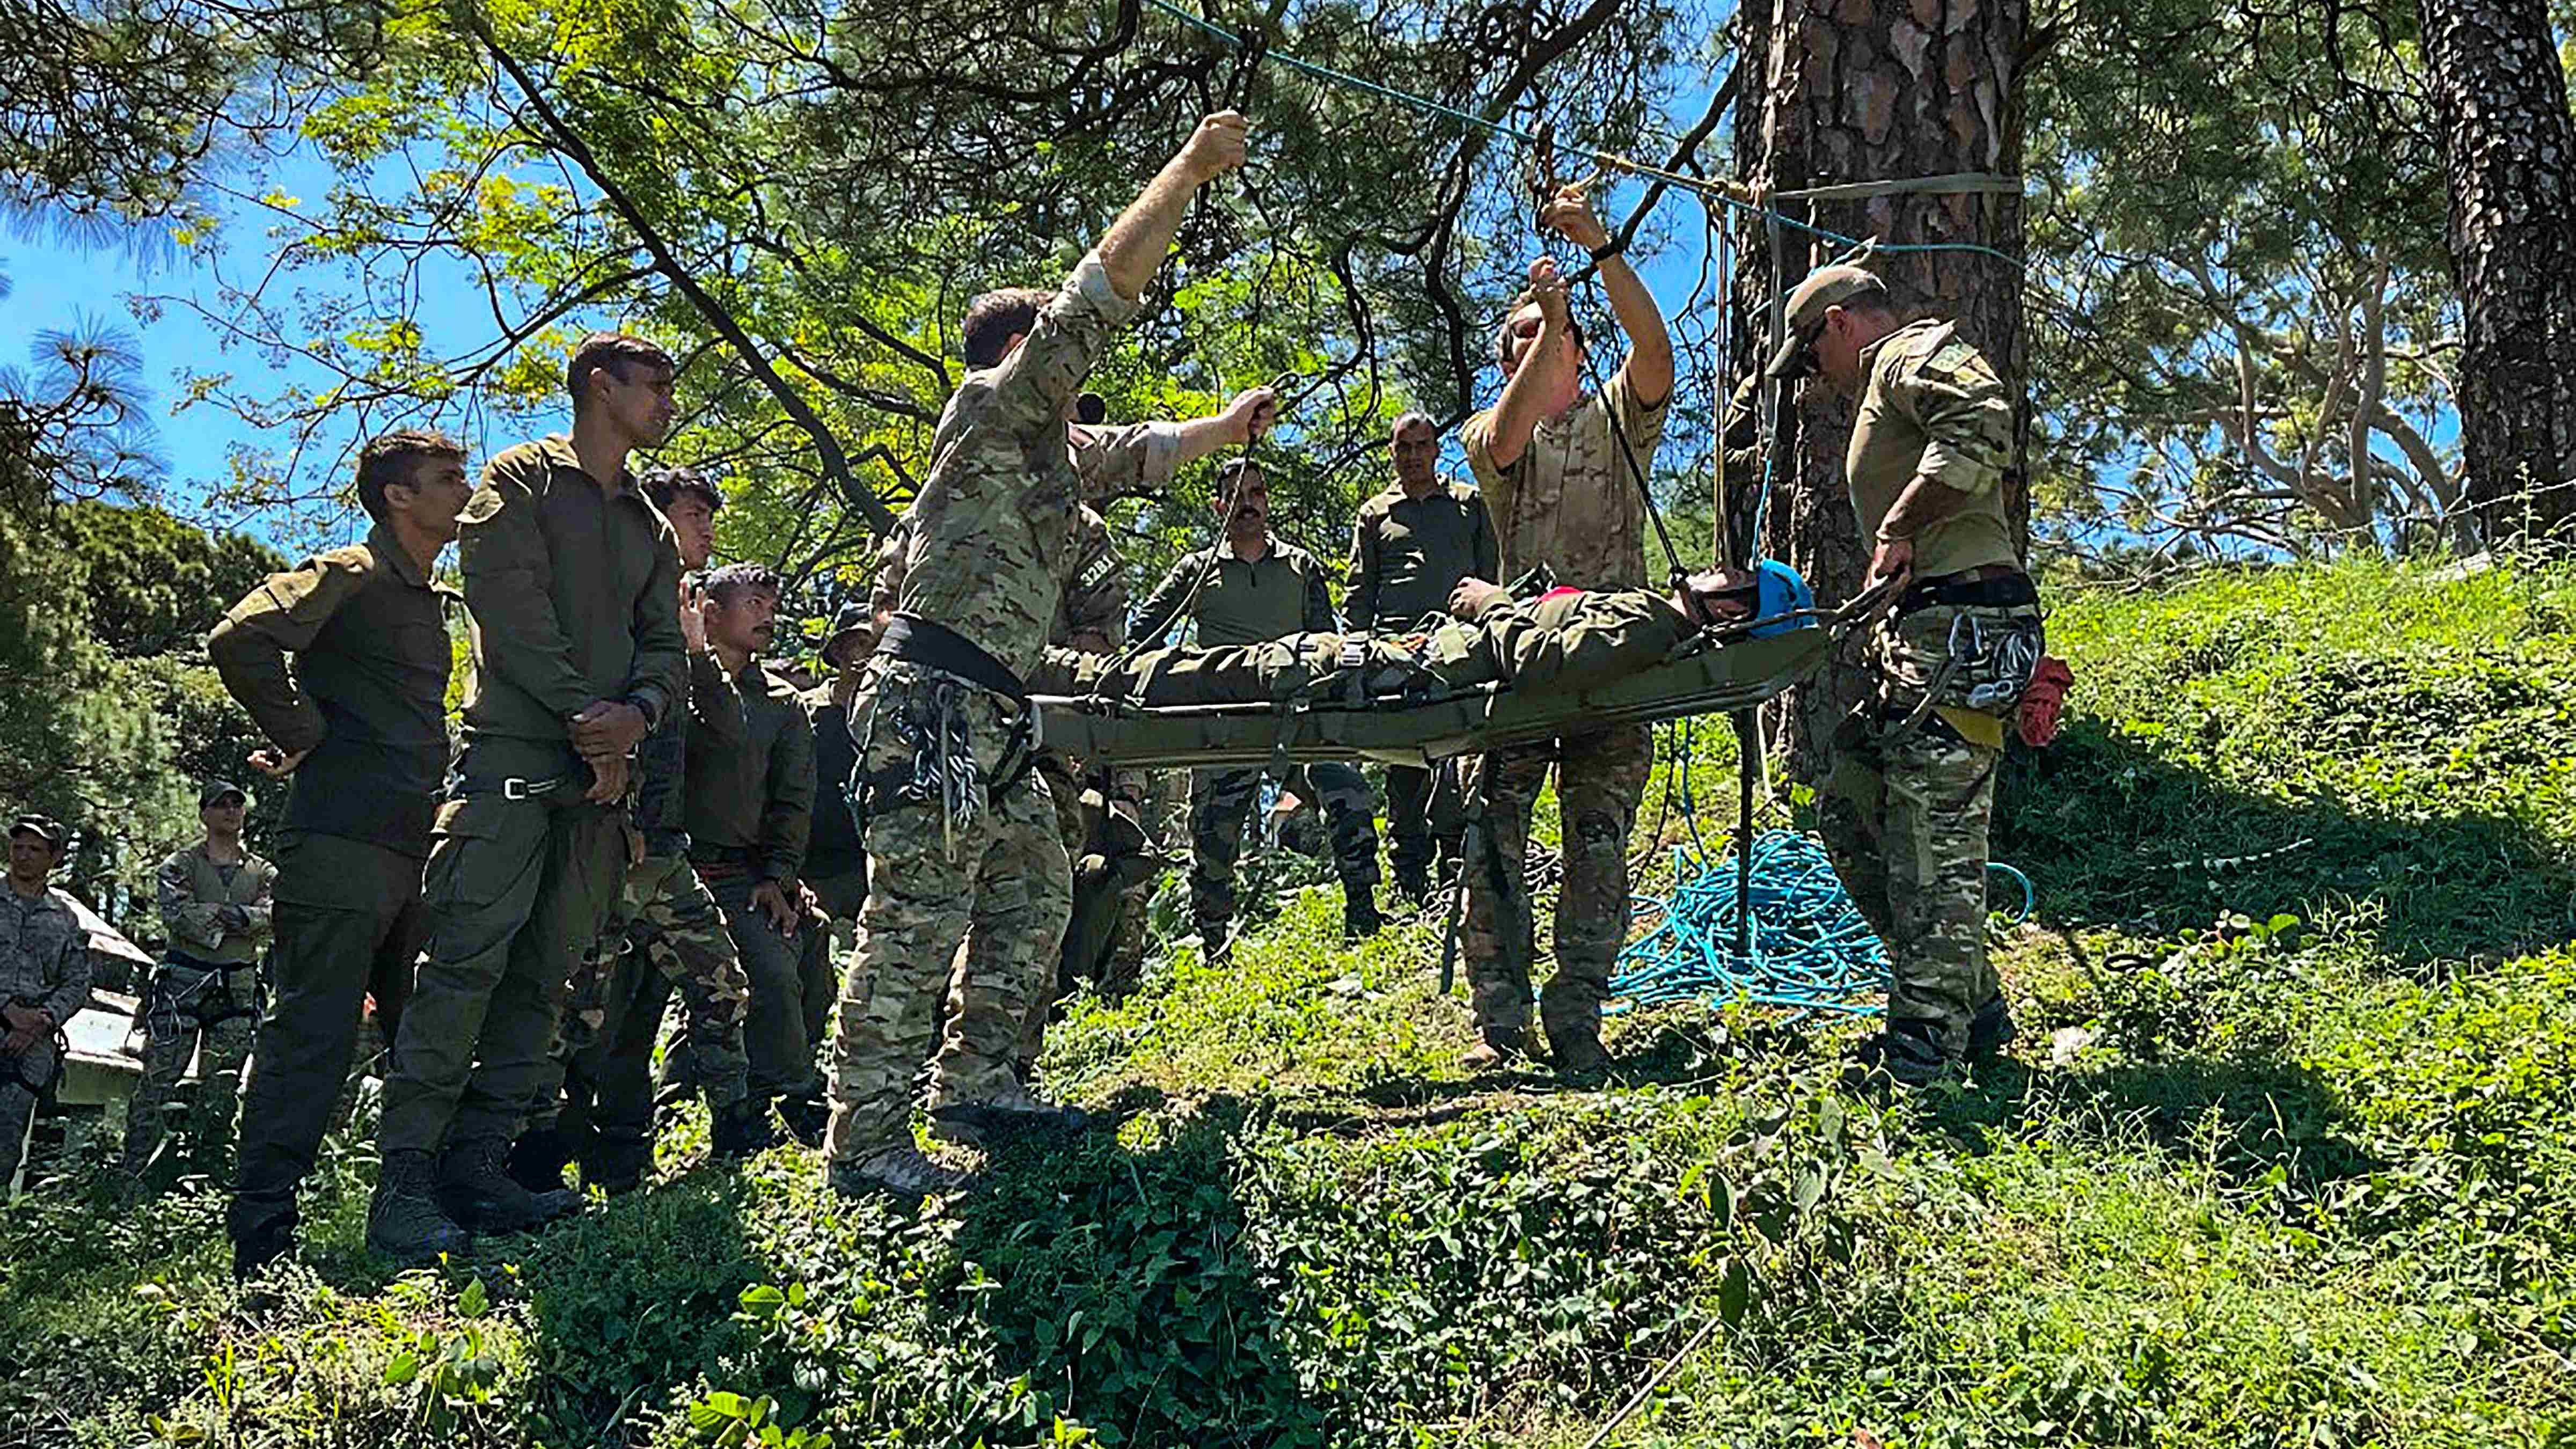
[1812, 948]
[1730, 193]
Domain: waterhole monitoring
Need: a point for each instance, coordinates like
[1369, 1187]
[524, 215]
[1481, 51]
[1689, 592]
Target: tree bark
[1872, 90]
[2509, 148]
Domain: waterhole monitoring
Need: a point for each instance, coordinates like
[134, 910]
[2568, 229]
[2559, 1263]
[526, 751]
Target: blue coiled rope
[1812, 948]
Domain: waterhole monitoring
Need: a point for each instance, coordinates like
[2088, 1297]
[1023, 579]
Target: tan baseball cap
[1804, 312]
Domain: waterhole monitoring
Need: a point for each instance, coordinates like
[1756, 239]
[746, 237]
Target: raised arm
[1036, 383]
[1650, 346]
[1142, 234]
[1546, 371]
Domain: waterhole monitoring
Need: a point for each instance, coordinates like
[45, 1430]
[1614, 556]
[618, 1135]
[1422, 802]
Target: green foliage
[2281, 1159]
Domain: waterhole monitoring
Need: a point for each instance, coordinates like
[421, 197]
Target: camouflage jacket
[989, 540]
[192, 893]
[44, 957]
[1933, 408]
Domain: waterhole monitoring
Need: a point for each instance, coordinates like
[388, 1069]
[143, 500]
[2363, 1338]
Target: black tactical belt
[197, 963]
[720, 855]
[936, 646]
[2003, 591]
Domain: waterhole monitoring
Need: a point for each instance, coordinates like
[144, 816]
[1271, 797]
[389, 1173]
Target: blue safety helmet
[1779, 591]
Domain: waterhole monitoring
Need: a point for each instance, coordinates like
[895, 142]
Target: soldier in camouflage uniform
[44, 978]
[214, 899]
[665, 933]
[1002, 982]
[342, 662]
[961, 834]
[1249, 588]
[1559, 469]
[1906, 810]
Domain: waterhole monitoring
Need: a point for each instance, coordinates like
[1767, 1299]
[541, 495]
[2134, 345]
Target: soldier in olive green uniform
[1559, 468]
[571, 581]
[1411, 546]
[750, 802]
[342, 663]
[1906, 810]
[960, 832]
[214, 899]
[666, 933]
[1564, 641]
[44, 978]
[1247, 589]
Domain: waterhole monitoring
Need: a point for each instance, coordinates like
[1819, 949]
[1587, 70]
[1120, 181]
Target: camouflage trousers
[1904, 814]
[997, 883]
[1600, 778]
[184, 1004]
[1221, 802]
[665, 932]
[23, 1078]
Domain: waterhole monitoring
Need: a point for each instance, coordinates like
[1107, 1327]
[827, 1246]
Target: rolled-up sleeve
[1038, 380]
[1137, 456]
[1966, 415]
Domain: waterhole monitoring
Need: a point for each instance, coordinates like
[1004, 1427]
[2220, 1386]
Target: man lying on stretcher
[1561, 640]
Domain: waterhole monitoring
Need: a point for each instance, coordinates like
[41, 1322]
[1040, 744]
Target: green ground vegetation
[2283, 1156]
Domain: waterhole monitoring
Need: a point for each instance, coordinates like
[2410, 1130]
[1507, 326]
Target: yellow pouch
[1974, 725]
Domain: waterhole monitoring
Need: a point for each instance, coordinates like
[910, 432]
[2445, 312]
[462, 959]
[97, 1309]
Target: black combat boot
[615, 1165]
[1360, 919]
[1907, 1053]
[539, 1157]
[806, 1115]
[742, 1128]
[262, 1233]
[403, 1221]
[477, 1192]
[1991, 1030]
[1413, 882]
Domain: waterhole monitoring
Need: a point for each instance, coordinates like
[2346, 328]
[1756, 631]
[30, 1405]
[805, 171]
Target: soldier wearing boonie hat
[1906, 810]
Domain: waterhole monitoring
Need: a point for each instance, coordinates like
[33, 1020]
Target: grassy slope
[2238, 1186]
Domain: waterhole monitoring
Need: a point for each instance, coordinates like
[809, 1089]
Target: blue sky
[65, 283]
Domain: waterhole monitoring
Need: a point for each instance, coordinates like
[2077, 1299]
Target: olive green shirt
[1408, 553]
[366, 694]
[751, 767]
[573, 591]
[1279, 594]
[1933, 408]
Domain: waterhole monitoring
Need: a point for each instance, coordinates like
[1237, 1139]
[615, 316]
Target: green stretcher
[1717, 680]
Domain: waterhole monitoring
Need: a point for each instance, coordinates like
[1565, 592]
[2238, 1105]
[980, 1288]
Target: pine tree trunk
[2500, 99]
[1874, 90]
